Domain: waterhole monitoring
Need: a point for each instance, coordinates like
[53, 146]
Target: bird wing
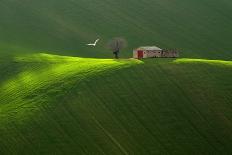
[94, 44]
[96, 41]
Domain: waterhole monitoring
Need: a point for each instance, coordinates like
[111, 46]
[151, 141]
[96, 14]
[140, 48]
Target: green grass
[64, 105]
[199, 28]
[54, 103]
[40, 72]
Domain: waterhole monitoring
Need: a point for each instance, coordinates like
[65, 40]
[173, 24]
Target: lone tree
[116, 44]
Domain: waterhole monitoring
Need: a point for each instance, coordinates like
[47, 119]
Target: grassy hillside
[54, 103]
[199, 28]
[63, 105]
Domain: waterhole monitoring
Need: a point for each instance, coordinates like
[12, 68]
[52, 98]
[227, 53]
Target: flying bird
[93, 44]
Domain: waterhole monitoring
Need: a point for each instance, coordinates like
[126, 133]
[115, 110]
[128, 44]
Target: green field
[54, 104]
[58, 96]
[199, 28]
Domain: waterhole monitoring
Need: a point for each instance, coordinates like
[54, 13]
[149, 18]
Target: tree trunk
[116, 54]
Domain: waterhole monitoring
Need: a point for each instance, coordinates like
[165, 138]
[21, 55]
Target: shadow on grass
[187, 61]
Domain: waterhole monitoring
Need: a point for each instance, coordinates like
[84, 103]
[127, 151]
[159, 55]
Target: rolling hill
[66, 105]
[58, 96]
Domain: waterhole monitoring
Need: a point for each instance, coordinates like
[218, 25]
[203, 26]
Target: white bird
[93, 44]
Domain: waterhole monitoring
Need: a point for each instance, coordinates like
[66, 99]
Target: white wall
[151, 54]
[135, 55]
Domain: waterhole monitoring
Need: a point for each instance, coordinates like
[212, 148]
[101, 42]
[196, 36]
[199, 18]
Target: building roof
[149, 48]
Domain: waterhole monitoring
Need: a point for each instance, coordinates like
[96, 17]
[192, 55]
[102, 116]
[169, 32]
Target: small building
[147, 52]
[170, 54]
[154, 52]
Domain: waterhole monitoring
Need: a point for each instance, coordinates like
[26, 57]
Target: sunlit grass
[68, 103]
[44, 70]
[211, 62]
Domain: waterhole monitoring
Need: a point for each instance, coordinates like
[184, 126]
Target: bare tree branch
[117, 44]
